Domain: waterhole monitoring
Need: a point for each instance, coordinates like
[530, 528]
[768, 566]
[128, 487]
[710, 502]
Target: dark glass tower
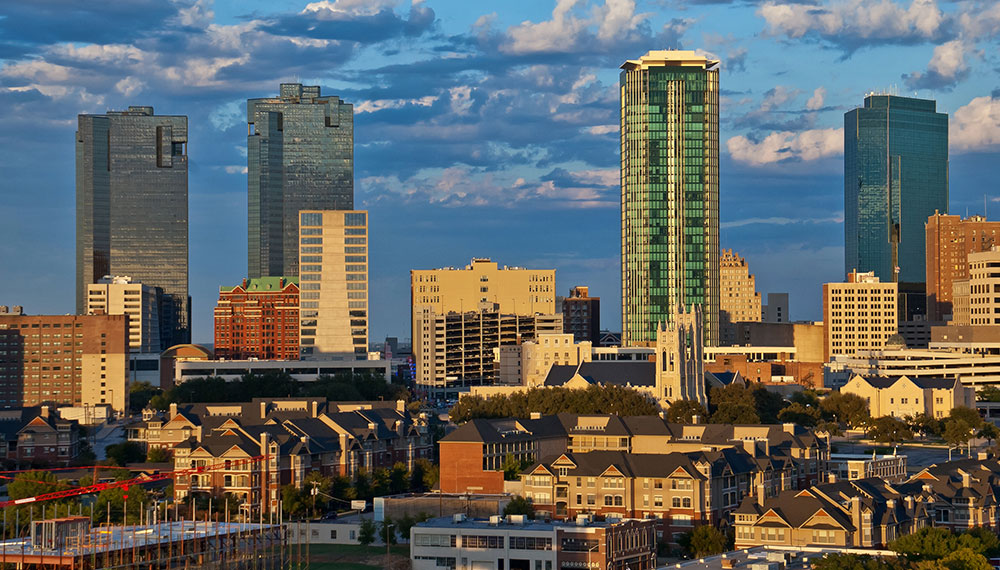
[300, 156]
[670, 191]
[132, 208]
[895, 177]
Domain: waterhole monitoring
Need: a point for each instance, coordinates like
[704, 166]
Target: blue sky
[483, 128]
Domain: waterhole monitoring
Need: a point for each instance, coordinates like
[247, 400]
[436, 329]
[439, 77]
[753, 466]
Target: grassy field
[351, 557]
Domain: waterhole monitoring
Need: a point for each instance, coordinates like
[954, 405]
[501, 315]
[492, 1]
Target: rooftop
[671, 58]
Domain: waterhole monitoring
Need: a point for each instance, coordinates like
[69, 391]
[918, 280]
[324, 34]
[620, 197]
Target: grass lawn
[349, 556]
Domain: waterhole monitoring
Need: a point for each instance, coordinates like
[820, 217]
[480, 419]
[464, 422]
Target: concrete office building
[123, 296]
[333, 283]
[895, 177]
[983, 285]
[949, 241]
[776, 309]
[858, 315]
[739, 300]
[670, 191]
[539, 355]
[582, 315]
[132, 209]
[76, 360]
[300, 156]
[259, 318]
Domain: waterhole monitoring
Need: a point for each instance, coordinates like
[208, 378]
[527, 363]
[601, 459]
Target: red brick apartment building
[258, 318]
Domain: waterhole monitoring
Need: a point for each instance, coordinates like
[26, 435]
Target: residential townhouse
[870, 513]
[472, 456]
[37, 436]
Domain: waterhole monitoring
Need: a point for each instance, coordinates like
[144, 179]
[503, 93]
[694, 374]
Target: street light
[388, 527]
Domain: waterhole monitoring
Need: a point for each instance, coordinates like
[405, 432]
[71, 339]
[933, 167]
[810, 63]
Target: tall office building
[739, 301]
[132, 209]
[300, 156]
[895, 177]
[670, 192]
[333, 283]
[950, 240]
[582, 315]
[859, 315]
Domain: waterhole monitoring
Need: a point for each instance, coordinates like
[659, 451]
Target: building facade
[950, 240]
[515, 543]
[983, 284]
[739, 301]
[895, 177]
[76, 360]
[259, 318]
[858, 315]
[38, 436]
[300, 156]
[546, 350]
[123, 296]
[670, 191]
[132, 209]
[902, 396]
[333, 306]
[582, 315]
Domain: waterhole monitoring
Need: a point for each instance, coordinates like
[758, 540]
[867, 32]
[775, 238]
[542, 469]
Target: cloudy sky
[483, 128]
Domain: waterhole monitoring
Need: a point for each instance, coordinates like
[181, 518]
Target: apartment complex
[333, 283]
[132, 208]
[76, 360]
[37, 436]
[472, 456]
[950, 240]
[298, 436]
[300, 156]
[259, 318]
[903, 396]
[870, 513]
[123, 296]
[582, 315]
[670, 191]
[739, 300]
[858, 315]
[513, 542]
[461, 318]
[851, 467]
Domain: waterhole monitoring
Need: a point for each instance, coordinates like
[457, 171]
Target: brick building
[582, 315]
[74, 360]
[950, 240]
[258, 318]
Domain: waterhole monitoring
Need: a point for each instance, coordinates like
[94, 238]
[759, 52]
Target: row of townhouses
[37, 436]
[870, 513]
[268, 443]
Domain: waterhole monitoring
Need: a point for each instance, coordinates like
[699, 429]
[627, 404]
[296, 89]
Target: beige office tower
[950, 240]
[333, 283]
[739, 301]
[976, 299]
[859, 315]
[122, 296]
[503, 300]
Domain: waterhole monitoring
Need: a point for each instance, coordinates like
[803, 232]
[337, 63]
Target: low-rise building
[301, 370]
[516, 543]
[902, 396]
[37, 436]
[851, 467]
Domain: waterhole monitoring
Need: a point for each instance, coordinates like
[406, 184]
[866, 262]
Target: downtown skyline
[483, 137]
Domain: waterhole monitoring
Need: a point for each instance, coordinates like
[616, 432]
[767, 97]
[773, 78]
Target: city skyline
[507, 137]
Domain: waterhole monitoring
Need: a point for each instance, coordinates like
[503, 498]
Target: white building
[120, 295]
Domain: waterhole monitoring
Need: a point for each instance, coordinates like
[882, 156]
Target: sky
[484, 129]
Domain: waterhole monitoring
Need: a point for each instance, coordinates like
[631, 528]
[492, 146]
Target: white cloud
[196, 15]
[946, 67]
[976, 126]
[340, 8]
[602, 129]
[782, 221]
[382, 104]
[844, 20]
[570, 29]
[807, 145]
[777, 97]
[461, 99]
[816, 101]
[236, 169]
[981, 24]
[130, 86]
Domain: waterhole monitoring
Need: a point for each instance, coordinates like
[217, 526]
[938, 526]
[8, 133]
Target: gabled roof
[605, 372]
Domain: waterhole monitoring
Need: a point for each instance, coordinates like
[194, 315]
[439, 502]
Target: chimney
[535, 415]
[244, 283]
[45, 412]
[966, 479]
[750, 446]
[695, 419]
[315, 408]
[788, 428]
[173, 409]
[832, 477]
[909, 504]
[263, 410]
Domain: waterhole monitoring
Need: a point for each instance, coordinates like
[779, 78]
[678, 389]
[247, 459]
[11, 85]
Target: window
[355, 219]
[312, 240]
[333, 534]
[311, 219]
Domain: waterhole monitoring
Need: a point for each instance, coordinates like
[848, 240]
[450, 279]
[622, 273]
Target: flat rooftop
[506, 524]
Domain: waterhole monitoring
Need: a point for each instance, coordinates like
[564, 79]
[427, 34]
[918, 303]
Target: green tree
[964, 559]
[362, 485]
[513, 466]
[140, 393]
[988, 394]
[800, 414]
[989, 432]
[924, 424]
[966, 414]
[124, 453]
[981, 541]
[398, 479]
[403, 526]
[705, 540]
[958, 432]
[735, 413]
[116, 500]
[366, 532]
[519, 506]
[323, 485]
[158, 455]
[594, 399]
[889, 430]
[387, 531]
[928, 543]
[857, 562]
[683, 411]
[848, 409]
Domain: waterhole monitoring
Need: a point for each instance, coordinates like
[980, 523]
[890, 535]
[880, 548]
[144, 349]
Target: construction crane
[98, 487]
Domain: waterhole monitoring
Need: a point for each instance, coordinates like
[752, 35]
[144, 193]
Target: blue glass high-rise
[895, 177]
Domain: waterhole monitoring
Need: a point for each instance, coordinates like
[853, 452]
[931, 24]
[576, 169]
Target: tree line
[929, 548]
[594, 399]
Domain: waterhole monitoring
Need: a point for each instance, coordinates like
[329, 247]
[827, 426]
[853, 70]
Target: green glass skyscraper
[300, 156]
[670, 191]
[132, 209]
[895, 177]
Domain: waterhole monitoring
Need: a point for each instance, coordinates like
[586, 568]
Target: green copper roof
[263, 284]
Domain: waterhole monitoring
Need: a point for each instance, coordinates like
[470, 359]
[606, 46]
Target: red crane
[98, 487]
